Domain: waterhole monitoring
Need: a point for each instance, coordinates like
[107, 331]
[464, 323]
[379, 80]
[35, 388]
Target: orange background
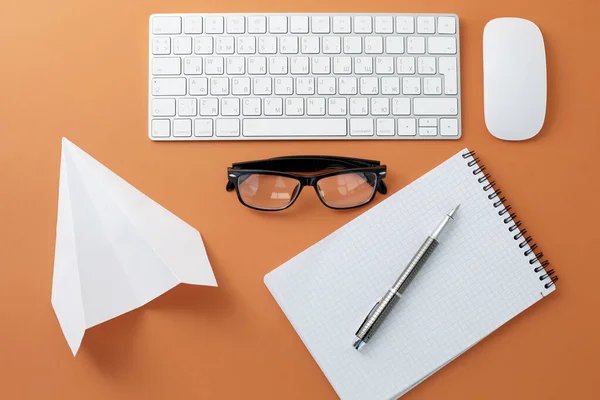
[79, 69]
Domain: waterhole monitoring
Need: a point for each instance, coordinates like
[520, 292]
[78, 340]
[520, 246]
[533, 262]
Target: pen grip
[380, 311]
[415, 265]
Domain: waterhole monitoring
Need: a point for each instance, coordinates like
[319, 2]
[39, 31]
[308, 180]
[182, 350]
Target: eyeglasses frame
[349, 165]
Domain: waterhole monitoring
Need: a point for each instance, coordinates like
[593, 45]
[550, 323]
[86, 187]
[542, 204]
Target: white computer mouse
[514, 71]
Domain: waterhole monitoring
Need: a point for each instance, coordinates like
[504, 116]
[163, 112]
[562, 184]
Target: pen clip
[368, 316]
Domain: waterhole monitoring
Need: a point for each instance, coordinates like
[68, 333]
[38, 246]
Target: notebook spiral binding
[511, 219]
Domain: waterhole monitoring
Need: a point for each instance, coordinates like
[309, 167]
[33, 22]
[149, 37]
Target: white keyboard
[304, 76]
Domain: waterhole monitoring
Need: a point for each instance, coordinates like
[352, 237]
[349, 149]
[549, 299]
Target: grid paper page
[476, 280]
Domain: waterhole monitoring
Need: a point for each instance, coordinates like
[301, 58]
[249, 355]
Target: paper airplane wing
[116, 249]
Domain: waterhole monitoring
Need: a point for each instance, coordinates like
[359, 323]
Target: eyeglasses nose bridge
[309, 181]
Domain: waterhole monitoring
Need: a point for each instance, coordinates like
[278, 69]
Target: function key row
[318, 24]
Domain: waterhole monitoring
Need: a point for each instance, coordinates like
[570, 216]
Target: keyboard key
[326, 86]
[182, 128]
[427, 131]
[187, 107]
[432, 85]
[182, 45]
[246, 45]
[240, 86]
[332, 45]
[284, 86]
[426, 65]
[288, 45]
[446, 25]
[278, 65]
[166, 66]
[203, 127]
[168, 87]
[385, 127]
[273, 106]
[405, 25]
[310, 45]
[411, 85]
[425, 25]
[166, 25]
[394, 45]
[299, 65]
[336, 106]
[251, 106]
[161, 46]
[230, 107]
[203, 45]
[361, 127]
[362, 24]
[321, 65]
[224, 45]
[384, 24]
[315, 106]
[235, 24]
[209, 107]
[348, 86]
[384, 65]
[359, 106]
[278, 24]
[380, 106]
[262, 86]
[435, 106]
[341, 24]
[198, 86]
[320, 24]
[390, 85]
[214, 24]
[415, 45]
[406, 127]
[192, 24]
[213, 65]
[294, 106]
[305, 86]
[257, 65]
[257, 24]
[369, 85]
[441, 45]
[235, 65]
[405, 65]
[363, 65]
[163, 107]
[427, 122]
[227, 127]
[401, 106]
[161, 128]
[275, 127]
[342, 65]
[299, 24]
[448, 68]
[352, 44]
[267, 45]
[374, 45]
[449, 127]
[219, 86]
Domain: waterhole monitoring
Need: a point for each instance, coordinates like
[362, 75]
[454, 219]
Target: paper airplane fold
[116, 249]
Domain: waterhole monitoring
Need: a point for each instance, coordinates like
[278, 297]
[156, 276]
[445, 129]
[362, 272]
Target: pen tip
[358, 344]
[451, 213]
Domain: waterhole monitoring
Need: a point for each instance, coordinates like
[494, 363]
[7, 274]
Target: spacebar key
[436, 106]
[298, 127]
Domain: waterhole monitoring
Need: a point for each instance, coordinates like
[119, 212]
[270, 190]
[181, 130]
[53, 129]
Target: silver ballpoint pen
[383, 307]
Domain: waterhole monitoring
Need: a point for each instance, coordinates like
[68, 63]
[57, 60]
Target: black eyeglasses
[275, 183]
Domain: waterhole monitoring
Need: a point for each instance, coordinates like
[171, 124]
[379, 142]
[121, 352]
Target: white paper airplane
[116, 249]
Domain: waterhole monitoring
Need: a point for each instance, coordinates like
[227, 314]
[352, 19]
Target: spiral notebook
[485, 271]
